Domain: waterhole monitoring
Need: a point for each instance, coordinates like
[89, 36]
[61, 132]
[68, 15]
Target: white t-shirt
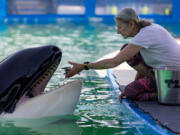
[160, 49]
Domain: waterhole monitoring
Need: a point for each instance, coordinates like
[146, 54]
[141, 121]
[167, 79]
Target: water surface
[98, 111]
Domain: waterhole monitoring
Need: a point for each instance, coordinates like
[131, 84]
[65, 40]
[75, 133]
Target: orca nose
[55, 49]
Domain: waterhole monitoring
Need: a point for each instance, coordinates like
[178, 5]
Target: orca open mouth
[26, 74]
[40, 84]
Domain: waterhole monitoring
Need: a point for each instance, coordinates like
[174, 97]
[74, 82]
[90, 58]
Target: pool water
[98, 111]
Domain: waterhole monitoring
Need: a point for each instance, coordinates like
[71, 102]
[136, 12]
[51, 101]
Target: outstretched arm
[127, 53]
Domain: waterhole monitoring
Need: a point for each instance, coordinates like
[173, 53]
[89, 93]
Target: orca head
[26, 74]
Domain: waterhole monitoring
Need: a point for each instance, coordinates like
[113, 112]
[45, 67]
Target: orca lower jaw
[40, 84]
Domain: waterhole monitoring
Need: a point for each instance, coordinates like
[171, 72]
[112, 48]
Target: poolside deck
[166, 116]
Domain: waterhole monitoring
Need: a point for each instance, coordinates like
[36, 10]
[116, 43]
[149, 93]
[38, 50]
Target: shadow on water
[59, 125]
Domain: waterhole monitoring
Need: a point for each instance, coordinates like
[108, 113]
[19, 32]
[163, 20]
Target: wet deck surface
[166, 116]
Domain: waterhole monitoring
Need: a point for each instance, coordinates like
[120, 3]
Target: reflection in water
[59, 125]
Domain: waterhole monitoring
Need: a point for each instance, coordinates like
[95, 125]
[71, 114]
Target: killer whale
[24, 76]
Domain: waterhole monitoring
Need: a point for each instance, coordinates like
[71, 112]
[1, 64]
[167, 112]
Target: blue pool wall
[3, 9]
[90, 6]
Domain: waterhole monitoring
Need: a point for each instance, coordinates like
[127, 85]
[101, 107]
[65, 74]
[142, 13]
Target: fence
[159, 10]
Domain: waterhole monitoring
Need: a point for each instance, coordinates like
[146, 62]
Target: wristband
[85, 65]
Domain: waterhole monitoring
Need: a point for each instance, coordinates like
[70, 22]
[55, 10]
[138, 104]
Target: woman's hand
[77, 68]
[121, 96]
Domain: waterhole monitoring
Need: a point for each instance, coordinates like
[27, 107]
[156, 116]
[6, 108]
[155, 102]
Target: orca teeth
[47, 73]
